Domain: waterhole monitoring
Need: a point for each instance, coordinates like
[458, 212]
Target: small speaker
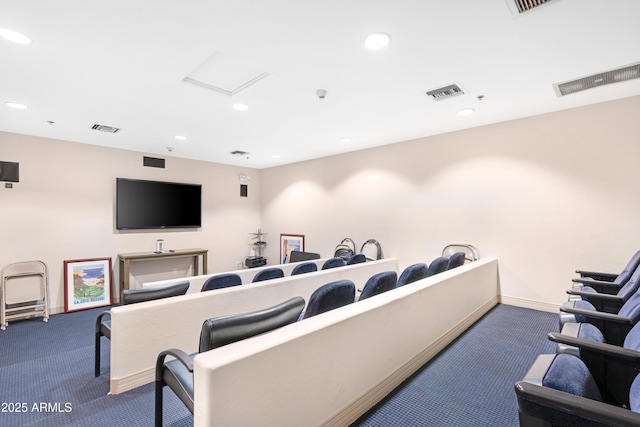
[153, 162]
[243, 190]
[10, 171]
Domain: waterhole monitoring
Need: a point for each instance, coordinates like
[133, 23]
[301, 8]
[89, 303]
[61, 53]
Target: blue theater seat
[329, 297]
[333, 263]
[379, 283]
[220, 281]
[304, 267]
[559, 390]
[268, 274]
[456, 260]
[356, 259]
[412, 273]
[437, 266]
[594, 278]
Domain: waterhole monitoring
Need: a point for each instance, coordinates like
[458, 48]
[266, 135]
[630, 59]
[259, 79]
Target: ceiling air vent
[103, 128]
[521, 6]
[240, 153]
[445, 92]
[628, 72]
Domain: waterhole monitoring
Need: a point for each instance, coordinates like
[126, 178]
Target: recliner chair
[268, 274]
[379, 283]
[330, 296]
[217, 332]
[617, 279]
[132, 296]
[219, 281]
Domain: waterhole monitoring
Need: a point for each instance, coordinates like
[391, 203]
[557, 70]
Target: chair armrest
[608, 277]
[598, 283]
[99, 319]
[598, 315]
[572, 406]
[597, 296]
[609, 350]
[184, 358]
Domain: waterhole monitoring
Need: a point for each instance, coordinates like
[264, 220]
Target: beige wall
[544, 194]
[63, 209]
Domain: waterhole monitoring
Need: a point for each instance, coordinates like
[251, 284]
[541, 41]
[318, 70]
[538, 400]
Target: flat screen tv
[144, 204]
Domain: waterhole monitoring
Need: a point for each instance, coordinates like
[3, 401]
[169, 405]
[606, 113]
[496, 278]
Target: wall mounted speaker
[243, 190]
[153, 162]
[10, 171]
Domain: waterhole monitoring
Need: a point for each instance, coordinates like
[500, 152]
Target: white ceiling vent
[625, 73]
[103, 128]
[446, 92]
[519, 7]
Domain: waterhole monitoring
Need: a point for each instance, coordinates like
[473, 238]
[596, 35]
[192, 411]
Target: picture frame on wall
[87, 284]
[288, 243]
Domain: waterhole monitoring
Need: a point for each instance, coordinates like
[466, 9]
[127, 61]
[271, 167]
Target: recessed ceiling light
[466, 111]
[180, 137]
[240, 107]
[16, 105]
[344, 140]
[377, 41]
[14, 36]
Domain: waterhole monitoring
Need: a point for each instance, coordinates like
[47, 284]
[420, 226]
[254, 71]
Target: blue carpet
[469, 384]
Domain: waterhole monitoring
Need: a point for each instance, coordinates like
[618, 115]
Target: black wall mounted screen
[144, 204]
[9, 171]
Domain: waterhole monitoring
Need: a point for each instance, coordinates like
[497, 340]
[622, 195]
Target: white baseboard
[534, 305]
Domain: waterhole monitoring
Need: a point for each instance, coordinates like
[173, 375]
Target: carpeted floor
[46, 372]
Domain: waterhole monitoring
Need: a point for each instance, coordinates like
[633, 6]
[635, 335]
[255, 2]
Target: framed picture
[288, 243]
[87, 284]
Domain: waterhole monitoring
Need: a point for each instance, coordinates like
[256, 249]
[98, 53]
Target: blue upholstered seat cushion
[631, 308]
[569, 374]
[634, 395]
[268, 274]
[590, 332]
[220, 281]
[632, 340]
[305, 267]
[379, 283]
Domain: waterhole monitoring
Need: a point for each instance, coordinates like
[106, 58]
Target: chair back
[133, 296]
[356, 259]
[224, 330]
[629, 270]
[220, 281]
[330, 296]
[305, 267]
[438, 265]
[456, 260]
[268, 274]
[412, 273]
[333, 263]
[379, 283]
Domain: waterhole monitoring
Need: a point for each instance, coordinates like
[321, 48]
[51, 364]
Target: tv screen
[144, 204]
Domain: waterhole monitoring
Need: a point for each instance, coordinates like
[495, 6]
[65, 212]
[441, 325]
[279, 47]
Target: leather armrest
[598, 315]
[609, 277]
[597, 296]
[599, 283]
[574, 407]
[184, 358]
[99, 319]
[608, 350]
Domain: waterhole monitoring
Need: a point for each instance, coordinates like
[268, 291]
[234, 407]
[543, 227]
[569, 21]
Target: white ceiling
[123, 63]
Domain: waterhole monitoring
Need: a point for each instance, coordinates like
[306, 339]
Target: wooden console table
[127, 259]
